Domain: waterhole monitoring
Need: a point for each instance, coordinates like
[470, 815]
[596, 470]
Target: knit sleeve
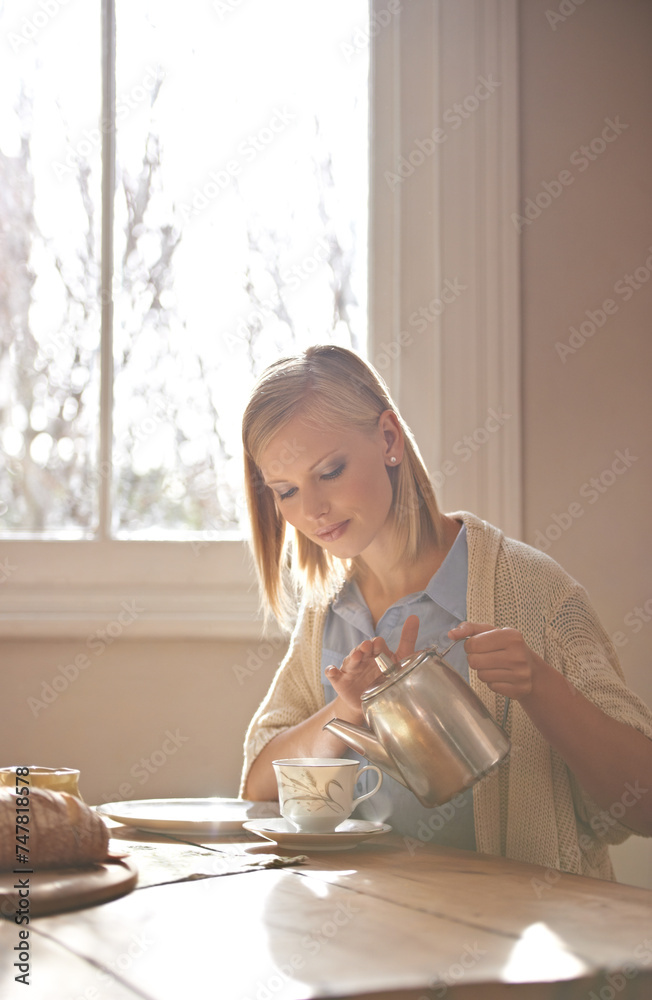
[294, 694]
[586, 656]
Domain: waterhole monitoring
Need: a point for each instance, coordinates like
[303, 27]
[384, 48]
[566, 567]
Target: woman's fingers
[409, 636]
[359, 669]
[500, 656]
[468, 629]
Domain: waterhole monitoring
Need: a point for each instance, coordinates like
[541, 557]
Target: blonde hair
[326, 385]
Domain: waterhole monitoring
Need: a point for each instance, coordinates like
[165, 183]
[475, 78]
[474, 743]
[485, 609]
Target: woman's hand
[501, 658]
[609, 758]
[359, 669]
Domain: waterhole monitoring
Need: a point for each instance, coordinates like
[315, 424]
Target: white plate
[187, 815]
[348, 834]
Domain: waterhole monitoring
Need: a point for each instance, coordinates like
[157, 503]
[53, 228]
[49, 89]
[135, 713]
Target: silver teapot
[427, 728]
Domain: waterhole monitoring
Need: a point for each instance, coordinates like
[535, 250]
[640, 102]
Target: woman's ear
[393, 438]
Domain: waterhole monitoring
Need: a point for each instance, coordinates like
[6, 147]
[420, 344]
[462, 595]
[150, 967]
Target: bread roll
[62, 831]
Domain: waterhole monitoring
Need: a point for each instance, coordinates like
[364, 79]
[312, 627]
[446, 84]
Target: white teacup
[315, 794]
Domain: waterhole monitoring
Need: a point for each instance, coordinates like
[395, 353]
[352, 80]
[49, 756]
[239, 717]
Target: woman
[380, 568]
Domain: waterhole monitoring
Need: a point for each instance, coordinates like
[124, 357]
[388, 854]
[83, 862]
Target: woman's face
[332, 484]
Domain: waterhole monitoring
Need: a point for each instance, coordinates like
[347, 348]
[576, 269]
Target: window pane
[49, 265]
[241, 207]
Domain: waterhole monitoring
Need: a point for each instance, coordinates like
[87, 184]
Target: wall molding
[445, 267]
[129, 613]
[137, 590]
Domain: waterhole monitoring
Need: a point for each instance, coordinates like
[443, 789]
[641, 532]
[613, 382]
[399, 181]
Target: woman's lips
[332, 532]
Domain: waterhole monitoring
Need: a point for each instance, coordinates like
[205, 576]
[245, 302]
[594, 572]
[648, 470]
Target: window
[442, 189]
[228, 227]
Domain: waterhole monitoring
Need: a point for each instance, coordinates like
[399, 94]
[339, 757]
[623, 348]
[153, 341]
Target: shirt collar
[447, 587]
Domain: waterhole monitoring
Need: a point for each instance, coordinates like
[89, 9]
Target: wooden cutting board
[61, 889]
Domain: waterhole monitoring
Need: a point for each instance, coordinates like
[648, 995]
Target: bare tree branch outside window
[240, 235]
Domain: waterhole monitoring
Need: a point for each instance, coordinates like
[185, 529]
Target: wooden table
[383, 920]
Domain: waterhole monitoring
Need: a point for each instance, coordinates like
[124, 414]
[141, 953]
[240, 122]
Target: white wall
[580, 411]
[160, 718]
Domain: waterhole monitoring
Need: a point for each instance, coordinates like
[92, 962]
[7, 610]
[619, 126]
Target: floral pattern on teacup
[307, 791]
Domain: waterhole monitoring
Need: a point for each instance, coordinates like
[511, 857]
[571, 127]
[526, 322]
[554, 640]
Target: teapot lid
[393, 672]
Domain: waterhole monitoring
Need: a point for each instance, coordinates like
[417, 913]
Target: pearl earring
[393, 459]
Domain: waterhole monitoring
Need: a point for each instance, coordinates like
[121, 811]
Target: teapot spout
[363, 741]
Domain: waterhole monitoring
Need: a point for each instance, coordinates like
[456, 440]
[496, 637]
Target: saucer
[196, 816]
[348, 834]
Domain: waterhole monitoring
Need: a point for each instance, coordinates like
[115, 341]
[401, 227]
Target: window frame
[450, 219]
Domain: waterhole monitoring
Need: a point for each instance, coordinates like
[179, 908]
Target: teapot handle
[448, 648]
[386, 664]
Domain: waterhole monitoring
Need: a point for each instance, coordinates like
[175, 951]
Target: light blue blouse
[440, 607]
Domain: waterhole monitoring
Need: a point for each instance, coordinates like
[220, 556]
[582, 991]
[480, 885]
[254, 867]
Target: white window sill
[135, 590]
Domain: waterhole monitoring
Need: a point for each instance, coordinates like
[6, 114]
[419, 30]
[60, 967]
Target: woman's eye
[335, 473]
[325, 475]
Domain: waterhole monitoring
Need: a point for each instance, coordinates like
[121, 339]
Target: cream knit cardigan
[532, 808]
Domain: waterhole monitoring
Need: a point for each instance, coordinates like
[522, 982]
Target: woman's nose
[315, 504]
